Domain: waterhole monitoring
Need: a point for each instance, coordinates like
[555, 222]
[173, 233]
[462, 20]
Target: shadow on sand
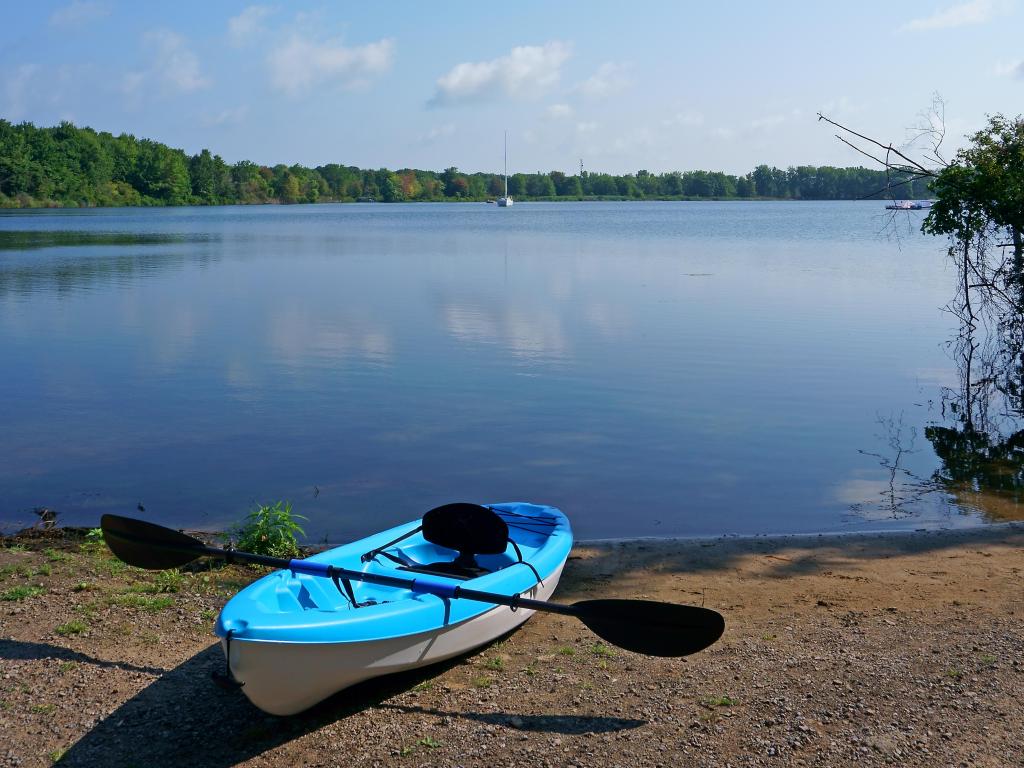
[183, 718]
[23, 651]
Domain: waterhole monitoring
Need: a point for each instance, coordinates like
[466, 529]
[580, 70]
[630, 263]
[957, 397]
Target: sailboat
[506, 201]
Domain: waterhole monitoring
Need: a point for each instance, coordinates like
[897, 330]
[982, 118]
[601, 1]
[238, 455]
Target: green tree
[983, 188]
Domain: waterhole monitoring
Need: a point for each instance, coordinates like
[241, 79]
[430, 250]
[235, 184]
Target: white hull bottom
[504, 202]
[285, 678]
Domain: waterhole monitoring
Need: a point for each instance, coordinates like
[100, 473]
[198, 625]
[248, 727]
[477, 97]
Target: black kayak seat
[469, 529]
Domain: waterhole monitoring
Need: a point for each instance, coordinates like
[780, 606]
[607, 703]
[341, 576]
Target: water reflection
[27, 240]
[529, 333]
[981, 445]
[34, 262]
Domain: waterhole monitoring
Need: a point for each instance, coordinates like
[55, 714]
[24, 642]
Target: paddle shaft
[427, 584]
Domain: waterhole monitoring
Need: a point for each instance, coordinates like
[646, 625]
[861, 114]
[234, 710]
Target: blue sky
[624, 86]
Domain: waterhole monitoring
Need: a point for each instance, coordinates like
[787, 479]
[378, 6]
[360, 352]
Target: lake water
[654, 369]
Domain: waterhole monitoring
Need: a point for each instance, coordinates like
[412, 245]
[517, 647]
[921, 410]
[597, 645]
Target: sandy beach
[903, 649]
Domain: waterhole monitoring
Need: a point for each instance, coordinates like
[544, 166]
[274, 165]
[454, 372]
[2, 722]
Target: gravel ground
[902, 649]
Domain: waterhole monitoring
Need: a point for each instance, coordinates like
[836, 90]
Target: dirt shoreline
[899, 648]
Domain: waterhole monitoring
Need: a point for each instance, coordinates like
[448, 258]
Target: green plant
[483, 681]
[95, 536]
[73, 627]
[54, 556]
[600, 649]
[566, 650]
[719, 701]
[429, 743]
[270, 530]
[496, 663]
[67, 666]
[57, 754]
[145, 602]
[20, 593]
[44, 570]
[43, 709]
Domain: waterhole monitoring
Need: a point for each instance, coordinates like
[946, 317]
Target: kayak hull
[292, 639]
[287, 678]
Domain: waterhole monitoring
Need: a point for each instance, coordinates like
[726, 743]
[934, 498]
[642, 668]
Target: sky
[659, 86]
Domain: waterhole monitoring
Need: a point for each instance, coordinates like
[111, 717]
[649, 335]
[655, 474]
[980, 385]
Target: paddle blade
[651, 628]
[146, 545]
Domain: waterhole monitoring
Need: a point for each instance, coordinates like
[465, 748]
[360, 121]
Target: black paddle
[642, 626]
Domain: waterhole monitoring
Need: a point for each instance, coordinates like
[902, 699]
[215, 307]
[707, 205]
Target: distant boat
[506, 201]
[908, 205]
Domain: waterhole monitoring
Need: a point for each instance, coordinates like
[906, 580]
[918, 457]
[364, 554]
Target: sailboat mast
[506, 163]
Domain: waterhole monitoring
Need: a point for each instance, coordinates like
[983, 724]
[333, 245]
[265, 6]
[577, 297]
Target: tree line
[65, 165]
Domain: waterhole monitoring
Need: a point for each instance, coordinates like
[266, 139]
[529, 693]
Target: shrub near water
[270, 530]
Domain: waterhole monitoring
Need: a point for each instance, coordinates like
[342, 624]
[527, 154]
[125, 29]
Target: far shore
[840, 649]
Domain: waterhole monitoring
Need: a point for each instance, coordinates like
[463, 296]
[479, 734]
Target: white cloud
[16, 91]
[768, 121]
[965, 14]
[526, 68]
[301, 63]
[559, 111]
[79, 12]
[173, 66]
[174, 62]
[589, 127]
[1010, 69]
[687, 118]
[132, 81]
[246, 26]
[609, 79]
[226, 116]
[437, 133]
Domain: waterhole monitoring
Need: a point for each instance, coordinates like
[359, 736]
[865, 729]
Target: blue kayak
[292, 639]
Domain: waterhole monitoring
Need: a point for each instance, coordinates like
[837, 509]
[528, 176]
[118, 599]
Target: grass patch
[164, 582]
[429, 743]
[43, 709]
[954, 673]
[495, 663]
[57, 755]
[14, 570]
[44, 570]
[600, 649]
[988, 659]
[73, 627]
[55, 555]
[208, 614]
[21, 592]
[719, 701]
[82, 586]
[482, 681]
[67, 666]
[566, 650]
[143, 602]
[425, 685]
[17, 548]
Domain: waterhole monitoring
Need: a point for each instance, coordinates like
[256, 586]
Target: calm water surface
[653, 369]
